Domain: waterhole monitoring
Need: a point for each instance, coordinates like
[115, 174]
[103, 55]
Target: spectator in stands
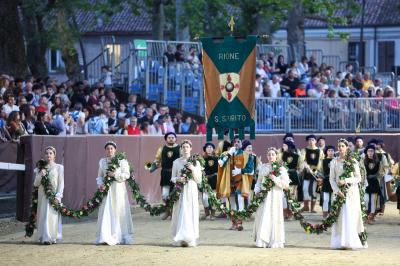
[41, 124]
[302, 68]
[258, 85]
[4, 83]
[162, 111]
[148, 117]
[300, 91]
[188, 127]
[168, 124]
[106, 76]
[43, 104]
[79, 118]
[113, 100]
[320, 92]
[28, 112]
[64, 97]
[131, 105]
[312, 62]
[169, 55]
[122, 128]
[15, 126]
[177, 120]
[37, 92]
[180, 53]
[275, 86]
[266, 90]
[293, 68]
[140, 111]
[367, 82]
[28, 92]
[57, 104]
[156, 128]
[97, 124]
[271, 63]
[377, 86]
[113, 121]
[358, 81]
[4, 134]
[93, 102]
[201, 128]
[50, 93]
[10, 105]
[281, 65]
[122, 112]
[133, 128]
[260, 69]
[145, 128]
[349, 70]
[313, 83]
[192, 58]
[345, 89]
[335, 86]
[290, 83]
[63, 122]
[379, 93]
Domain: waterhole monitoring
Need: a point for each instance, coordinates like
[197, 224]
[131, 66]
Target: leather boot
[313, 206]
[206, 213]
[306, 206]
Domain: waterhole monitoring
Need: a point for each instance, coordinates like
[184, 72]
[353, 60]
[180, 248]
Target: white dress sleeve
[261, 174]
[38, 178]
[332, 176]
[175, 171]
[356, 176]
[197, 173]
[282, 181]
[100, 174]
[122, 172]
[60, 182]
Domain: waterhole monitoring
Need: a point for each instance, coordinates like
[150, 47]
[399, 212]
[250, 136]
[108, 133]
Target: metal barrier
[276, 49]
[388, 78]
[327, 115]
[316, 53]
[93, 68]
[331, 60]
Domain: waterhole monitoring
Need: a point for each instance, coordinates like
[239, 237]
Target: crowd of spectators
[276, 78]
[45, 107]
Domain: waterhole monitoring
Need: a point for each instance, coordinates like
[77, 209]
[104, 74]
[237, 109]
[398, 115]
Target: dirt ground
[218, 245]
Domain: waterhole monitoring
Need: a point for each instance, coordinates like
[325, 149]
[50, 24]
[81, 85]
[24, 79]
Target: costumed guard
[311, 168]
[211, 171]
[232, 182]
[269, 228]
[345, 232]
[292, 159]
[386, 178]
[375, 168]
[185, 215]
[165, 157]
[222, 148]
[114, 223]
[248, 148]
[49, 224]
[396, 182]
[326, 199]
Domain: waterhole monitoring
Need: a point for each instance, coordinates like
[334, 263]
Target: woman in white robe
[185, 215]
[269, 230]
[349, 224]
[114, 224]
[49, 227]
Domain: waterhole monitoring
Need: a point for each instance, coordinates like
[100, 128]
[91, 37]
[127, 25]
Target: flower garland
[348, 169]
[50, 194]
[175, 193]
[256, 201]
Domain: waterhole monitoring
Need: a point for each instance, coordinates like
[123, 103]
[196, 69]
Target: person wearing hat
[359, 145]
[232, 182]
[211, 171]
[326, 199]
[321, 143]
[289, 137]
[114, 223]
[311, 168]
[292, 159]
[49, 223]
[387, 162]
[165, 157]
[374, 169]
[252, 178]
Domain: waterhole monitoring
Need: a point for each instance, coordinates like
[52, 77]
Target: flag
[229, 85]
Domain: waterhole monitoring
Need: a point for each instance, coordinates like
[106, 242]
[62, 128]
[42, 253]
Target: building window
[54, 61]
[386, 56]
[354, 53]
[114, 52]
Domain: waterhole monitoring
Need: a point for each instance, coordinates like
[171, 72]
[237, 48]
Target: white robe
[49, 224]
[345, 231]
[269, 229]
[185, 214]
[114, 224]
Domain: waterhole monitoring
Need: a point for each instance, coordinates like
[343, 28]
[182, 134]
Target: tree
[12, 49]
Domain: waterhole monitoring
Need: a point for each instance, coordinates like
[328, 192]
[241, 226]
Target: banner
[229, 85]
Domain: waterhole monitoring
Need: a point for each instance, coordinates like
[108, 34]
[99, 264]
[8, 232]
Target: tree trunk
[12, 47]
[158, 19]
[36, 44]
[68, 52]
[295, 32]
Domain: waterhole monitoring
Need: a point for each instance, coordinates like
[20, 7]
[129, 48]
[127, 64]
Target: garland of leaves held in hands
[256, 201]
